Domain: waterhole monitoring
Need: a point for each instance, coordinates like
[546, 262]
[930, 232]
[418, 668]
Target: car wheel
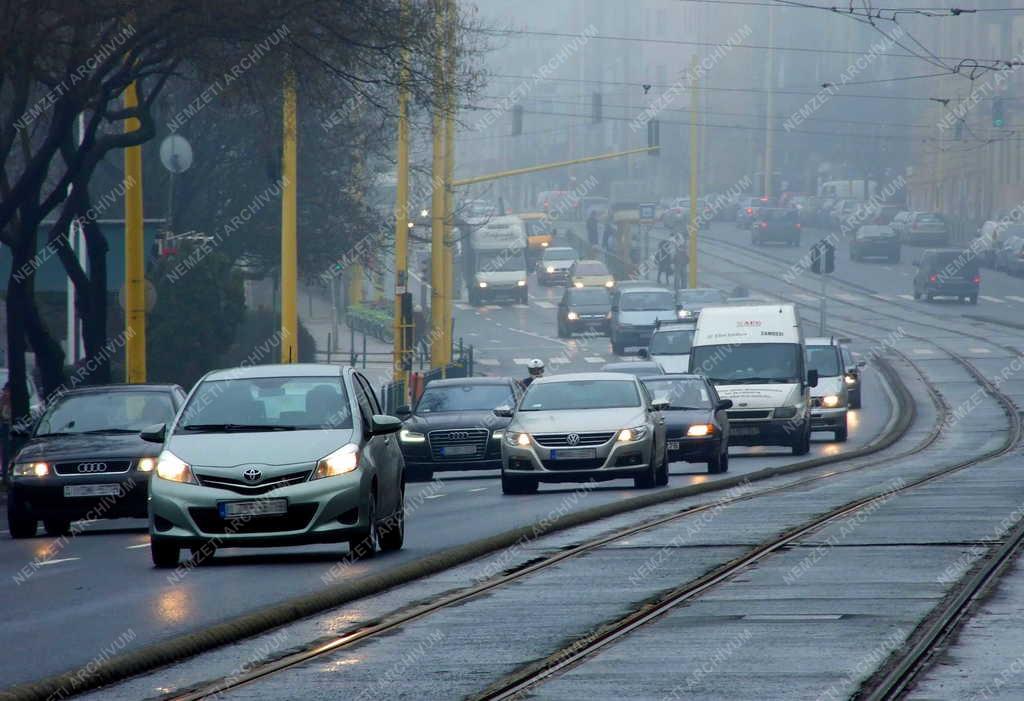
[855, 400]
[164, 553]
[803, 444]
[57, 526]
[20, 523]
[662, 478]
[974, 299]
[646, 479]
[917, 295]
[512, 485]
[392, 533]
[842, 433]
[561, 331]
[524, 297]
[474, 297]
[365, 545]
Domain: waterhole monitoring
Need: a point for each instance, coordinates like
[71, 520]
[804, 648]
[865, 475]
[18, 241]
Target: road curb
[120, 667]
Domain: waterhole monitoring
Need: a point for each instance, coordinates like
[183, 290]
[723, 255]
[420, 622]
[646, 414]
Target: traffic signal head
[816, 259]
[998, 112]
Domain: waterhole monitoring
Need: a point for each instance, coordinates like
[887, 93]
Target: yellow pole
[439, 345]
[694, 102]
[134, 260]
[449, 171]
[355, 284]
[769, 107]
[289, 223]
[402, 213]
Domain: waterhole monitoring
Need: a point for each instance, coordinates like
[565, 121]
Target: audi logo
[252, 474]
[90, 467]
[458, 436]
[573, 439]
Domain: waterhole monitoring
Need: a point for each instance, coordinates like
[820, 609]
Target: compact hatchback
[590, 273]
[830, 401]
[947, 273]
[277, 455]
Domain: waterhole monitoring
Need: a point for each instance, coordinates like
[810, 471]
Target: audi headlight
[342, 461]
[407, 436]
[516, 439]
[572, 316]
[830, 401]
[145, 464]
[631, 435]
[699, 430]
[785, 412]
[550, 268]
[31, 469]
[173, 469]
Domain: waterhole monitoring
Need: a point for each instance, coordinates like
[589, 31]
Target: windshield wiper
[231, 428]
[760, 380]
[689, 408]
[109, 430]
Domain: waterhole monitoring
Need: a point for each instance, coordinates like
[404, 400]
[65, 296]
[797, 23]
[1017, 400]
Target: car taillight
[750, 210]
[933, 278]
[798, 225]
[764, 225]
[976, 279]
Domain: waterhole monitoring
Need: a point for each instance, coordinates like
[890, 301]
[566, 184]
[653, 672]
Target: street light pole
[694, 102]
[134, 258]
[401, 321]
[289, 223]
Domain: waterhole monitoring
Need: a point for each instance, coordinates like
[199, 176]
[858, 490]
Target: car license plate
[265, 507]
[673, 445]
[743, 431]
[450, 450]
[578, 454]
[92, 490]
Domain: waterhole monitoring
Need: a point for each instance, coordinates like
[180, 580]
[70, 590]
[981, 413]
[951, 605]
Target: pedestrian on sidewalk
[592, 228]
[682, 265]
[666, 260]
[609, 238]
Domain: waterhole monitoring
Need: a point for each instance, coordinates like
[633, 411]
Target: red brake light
[933, 278]
[764, 225]
[750, 210]
[976, 280]
[798, 225]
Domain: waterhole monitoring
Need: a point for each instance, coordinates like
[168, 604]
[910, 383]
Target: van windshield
[749, 363]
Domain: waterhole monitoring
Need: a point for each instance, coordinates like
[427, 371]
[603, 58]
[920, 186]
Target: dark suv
[945, 272]
[776, 224]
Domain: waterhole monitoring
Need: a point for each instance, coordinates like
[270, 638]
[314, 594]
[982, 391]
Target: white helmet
[535, 366]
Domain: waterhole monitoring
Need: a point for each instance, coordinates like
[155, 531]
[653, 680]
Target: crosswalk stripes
[594, 359]
[520, 361]
[487, 361]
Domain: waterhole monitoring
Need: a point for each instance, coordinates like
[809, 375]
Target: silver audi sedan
[584, 426]
[277, 455]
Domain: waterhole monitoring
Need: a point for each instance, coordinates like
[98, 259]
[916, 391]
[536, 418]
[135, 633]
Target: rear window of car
[955, 262]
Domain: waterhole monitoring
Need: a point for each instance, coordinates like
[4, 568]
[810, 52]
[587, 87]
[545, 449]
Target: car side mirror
[403, 411]
[644, 353]
[504, 411]
[723, 404]
[154, 434]
[660, 404]
[382, 424]
[812, 378]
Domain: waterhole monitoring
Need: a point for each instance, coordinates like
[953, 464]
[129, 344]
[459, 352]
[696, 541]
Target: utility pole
[694, 103]
[403, 304]
[449, 171]
[289, 222]
[134, 258]
[769, 107]
[76, 239]
[440, 324]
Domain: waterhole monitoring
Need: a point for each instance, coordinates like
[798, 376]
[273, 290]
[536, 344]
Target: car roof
[465, 381]
[649, 287]
[139, 387]
[675, 376]
[821, 341]
[277, 370]
[570, 376]
[640, 364]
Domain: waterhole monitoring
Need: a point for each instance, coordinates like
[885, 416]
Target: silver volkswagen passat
[580, 427]
[277, 455]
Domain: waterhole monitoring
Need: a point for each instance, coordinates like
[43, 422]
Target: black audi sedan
[453, 427]
[696, 424]
[84, 459]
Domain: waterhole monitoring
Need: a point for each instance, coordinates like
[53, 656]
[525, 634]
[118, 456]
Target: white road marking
[545, 304]
[849, 297]
[433, 496]
[462, 306]
[922, 351]
[136, 547]
[805, 297]
[594, 359]
[520, 361]
[1015, 298]
[479, 489]
[978, 350]
[558, 360]
[487, 361]
[906, 296]
[992, 299]
[473, 333]
[58, 561]
[520, 306]
[792, 616]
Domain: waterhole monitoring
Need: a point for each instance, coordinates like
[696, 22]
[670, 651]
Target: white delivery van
[495, 261]
[754, 355]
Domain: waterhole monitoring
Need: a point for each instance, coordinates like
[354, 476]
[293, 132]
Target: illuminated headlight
[685, 314]
[31, 469]
[519, 440]
[498, 435]
[577, 284]
[785, 412]
[521, 283]
[631, 435]
[544, 244]
[482, 283]
[145, 464]
[610, 283]
[698, 430]
[550, 268]
[572, 316]
[424, 213]
[407, 436]
[342, 461]
[173, 469]
[850, 380]
[830, 400]
[411, 225]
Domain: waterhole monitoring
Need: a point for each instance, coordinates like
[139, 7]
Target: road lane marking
[1015, 298]
[906, 296]
[992, 299]
[792, 616]
[922, 351]
[545, 304]
[479, 489]
[978, 350]
[520, 306]
[58, 561]
[135, 547]
[488, 361]
[433, 496]
[520, 361]
[805, 297]
[594, 359]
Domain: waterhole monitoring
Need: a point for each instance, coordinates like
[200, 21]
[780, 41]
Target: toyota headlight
[516, 439]
[342, 461]
[830, 401]
[173, 469]
[785, 412]
[407, 436]
[631, 435]
[31, 469]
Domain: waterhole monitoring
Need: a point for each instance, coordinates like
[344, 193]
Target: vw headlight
[550, 269]
[631, 435]
[342, 461]
[516, 439]
[785, 412]
[700, 430]
[145, 464]
[830, 400]
[572, 316]
[173, 469]
[407, 436]
[31, 469]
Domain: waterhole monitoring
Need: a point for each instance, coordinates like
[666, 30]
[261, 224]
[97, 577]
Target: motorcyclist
[536, 368]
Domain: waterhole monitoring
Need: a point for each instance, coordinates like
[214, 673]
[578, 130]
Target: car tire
[803, 444]
[646, 479]
[855, 400]
[973, 299]
[513, 485]
[917, 295]
[661, 479]
[392, 535]
[165, 554]
[524, 297]
[365, 545]
[57, 526]
[20, 523]
[474, 298]
[562, 333]
[842, 433]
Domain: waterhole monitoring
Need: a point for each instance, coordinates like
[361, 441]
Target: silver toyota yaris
[277, 455]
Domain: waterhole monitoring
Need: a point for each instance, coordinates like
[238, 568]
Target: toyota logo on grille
[458, 436]
[252, 474]
[573, 439]
[88, 467]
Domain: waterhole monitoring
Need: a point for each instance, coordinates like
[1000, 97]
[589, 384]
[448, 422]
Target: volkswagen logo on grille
[573, 439]
[458, 436]
[252, 474]
[89, 467]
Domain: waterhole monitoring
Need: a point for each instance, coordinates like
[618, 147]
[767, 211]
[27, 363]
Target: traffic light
[816, 259]
[654, 137]
[998, 112]
[595, 107]
[517, 120]
[829, 257]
